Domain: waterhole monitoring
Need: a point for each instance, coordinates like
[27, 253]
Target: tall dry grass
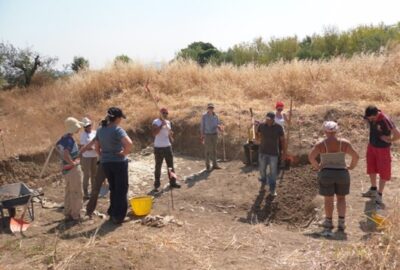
[33, 118]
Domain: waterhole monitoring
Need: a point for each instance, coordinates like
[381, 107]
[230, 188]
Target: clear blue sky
[154, 30]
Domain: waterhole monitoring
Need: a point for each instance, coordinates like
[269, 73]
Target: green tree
[18, 66]
[201, 52]
[123, 59]
[79, 63]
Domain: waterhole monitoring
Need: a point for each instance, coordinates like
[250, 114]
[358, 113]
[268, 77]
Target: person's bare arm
[354, 156]
[312, 157]
[67, 157]
[97, 147]
[156, 129]
[87, 147]
[127, 146]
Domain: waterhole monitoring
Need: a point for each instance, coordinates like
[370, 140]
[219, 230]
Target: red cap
[279, 104]
[164, 110]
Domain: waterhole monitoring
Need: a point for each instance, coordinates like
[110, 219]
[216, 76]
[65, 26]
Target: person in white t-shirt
[89, 157]
[162, 132]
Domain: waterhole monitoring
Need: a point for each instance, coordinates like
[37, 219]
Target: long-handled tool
[288, 158]
[46, 162]
[171, 175]
[252, 135]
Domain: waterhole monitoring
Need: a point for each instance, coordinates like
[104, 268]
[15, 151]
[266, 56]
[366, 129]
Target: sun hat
[330, 126]
[210, 105]
[72, 125]
[86, 122]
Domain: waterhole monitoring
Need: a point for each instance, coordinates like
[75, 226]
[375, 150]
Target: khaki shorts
[333, 182]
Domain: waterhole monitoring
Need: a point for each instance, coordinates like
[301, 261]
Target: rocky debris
[159, 221]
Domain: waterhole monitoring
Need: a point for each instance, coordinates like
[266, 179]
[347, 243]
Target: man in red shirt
[382, 133]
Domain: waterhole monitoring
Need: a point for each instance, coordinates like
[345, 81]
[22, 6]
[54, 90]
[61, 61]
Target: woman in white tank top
[333, 175]
[280, 116]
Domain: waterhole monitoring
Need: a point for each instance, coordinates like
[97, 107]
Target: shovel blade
[18, 225]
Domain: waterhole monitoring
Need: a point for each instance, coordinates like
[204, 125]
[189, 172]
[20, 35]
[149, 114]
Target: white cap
[330, 126]
[86, 122]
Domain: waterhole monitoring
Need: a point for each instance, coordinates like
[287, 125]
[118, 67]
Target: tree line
[18, 66]
[331, 43]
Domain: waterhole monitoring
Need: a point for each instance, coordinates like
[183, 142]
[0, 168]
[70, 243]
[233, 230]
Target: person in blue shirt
[71, 170]
[114, 145]
[209, 127]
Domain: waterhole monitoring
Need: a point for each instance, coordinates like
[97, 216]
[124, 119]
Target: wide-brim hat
[72, 125]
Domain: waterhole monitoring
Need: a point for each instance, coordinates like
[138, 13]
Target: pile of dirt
[27, 170]
[294, 204]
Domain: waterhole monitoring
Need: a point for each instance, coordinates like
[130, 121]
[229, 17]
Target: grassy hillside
[33, 118]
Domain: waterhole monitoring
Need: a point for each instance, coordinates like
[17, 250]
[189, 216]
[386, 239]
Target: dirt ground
[221, 220]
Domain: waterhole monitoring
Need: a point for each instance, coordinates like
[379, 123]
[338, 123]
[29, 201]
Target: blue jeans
[263, 161]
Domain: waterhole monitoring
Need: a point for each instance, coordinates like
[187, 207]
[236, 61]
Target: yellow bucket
[141, 205]
[379, 220]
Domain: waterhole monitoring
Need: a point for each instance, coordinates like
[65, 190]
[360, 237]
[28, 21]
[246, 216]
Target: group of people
[267, 140]
[104, 155]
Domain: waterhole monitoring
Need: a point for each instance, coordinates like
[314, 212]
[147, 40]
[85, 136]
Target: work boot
[370, 193]
[174, 185]
[327, 224]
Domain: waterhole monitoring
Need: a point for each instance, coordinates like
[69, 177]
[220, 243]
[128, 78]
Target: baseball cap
[115, 112]
[210, 105]
[163, 110]
[370, 111]
[279, 104]
[86, 122]
[270, 115]
[330, 126]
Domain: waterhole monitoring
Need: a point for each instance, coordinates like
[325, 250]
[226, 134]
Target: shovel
[285, 165]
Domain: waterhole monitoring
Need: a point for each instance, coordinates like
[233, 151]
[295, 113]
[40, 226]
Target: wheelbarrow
[13, 195]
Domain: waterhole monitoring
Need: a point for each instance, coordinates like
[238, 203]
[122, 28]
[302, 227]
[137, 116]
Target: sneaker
[341, 224]
[370, 193]
[327, 224]
[378, 199]
[157, 184]
[174, 185]
[273, 193]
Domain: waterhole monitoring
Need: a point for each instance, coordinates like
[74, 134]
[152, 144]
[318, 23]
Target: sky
[155, 30]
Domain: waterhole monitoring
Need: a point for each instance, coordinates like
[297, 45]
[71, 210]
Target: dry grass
[33, 118]
[380, 251]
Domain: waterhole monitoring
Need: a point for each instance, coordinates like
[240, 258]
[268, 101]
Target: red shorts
[379, 161]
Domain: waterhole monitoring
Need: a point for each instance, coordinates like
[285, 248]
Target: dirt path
[224, 221]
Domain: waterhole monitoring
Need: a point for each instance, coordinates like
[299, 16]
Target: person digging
[379, 161]
[162, 132]
[333, 173]
[271, 135]
[210, 125]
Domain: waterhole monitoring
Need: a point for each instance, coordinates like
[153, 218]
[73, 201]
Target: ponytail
[107, 120]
